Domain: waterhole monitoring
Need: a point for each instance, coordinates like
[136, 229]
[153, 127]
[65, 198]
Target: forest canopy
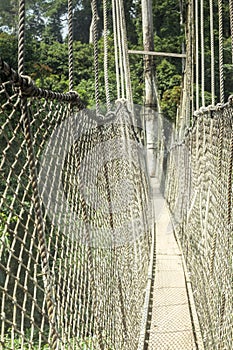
[46, 46]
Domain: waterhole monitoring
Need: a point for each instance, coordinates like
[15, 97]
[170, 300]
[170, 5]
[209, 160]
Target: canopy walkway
[96, 253]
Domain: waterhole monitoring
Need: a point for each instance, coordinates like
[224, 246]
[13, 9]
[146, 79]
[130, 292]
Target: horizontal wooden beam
[153, 53]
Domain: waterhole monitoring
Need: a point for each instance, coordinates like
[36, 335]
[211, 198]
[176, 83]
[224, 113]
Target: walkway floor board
[171, 326]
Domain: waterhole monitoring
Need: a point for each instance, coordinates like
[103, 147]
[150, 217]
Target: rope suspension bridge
[95, 253]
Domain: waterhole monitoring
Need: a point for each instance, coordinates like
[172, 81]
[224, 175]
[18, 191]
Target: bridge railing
[75, 226]
[199, 193]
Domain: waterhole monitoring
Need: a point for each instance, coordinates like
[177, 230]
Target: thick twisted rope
[125, 53]
[29, 89]
[116, 48]
[197, 56]
[231, 26]
[212, 52]
[120, 52]
[70, 45]
[21, 37]
[202, 55]
[105, 13]
[96, 55]
[221, 76]
[192, 38]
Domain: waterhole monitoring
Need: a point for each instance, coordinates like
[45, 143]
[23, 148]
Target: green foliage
[78, 344]
[9, 16]
[47, 63]
[169, 83]
[167, 75]
[50, 70]
[167, 18]
[4, 235]
[228, 67]
[8, 48]
[168, 37]
[47, 54]
[47, 59]
[170, 102]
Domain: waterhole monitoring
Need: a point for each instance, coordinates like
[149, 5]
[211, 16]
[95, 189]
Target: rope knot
[27, 85]
[230, 99]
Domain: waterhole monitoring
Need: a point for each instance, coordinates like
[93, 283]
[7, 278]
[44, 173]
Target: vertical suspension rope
[105, 13]
[197, 56]
[212, 53]
[202, 55]
[192, 53]
[221, 76]
[21, 37]
[187, 99]
[123, 47]
[120, 53]
[96, 55]
[231, 26]
[125, 54]
[70, 45]
[116, 48]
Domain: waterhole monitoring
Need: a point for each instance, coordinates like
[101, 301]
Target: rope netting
[76, 212]
[199, 194]
[74, 245]
[199, 171]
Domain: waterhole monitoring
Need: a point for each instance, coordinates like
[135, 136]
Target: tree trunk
[150, 98]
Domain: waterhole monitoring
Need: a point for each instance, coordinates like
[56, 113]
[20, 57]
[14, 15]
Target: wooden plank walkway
[171, 325]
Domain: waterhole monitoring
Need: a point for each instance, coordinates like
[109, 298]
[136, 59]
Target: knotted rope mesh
[75, 239]
[75, 215]
[199, 193]
[198, 184]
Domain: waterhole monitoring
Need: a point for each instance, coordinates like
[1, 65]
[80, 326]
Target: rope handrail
[77, 229]
[75, 244]
[30, 89]
[199, 194]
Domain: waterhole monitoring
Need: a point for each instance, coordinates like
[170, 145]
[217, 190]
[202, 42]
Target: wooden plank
[153, 53]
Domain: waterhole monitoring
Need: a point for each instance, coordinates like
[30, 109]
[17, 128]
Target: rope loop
[230, 99]
[27, 85]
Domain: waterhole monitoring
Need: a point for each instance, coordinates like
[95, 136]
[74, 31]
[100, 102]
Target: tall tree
[55, 13]
[9, 16]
